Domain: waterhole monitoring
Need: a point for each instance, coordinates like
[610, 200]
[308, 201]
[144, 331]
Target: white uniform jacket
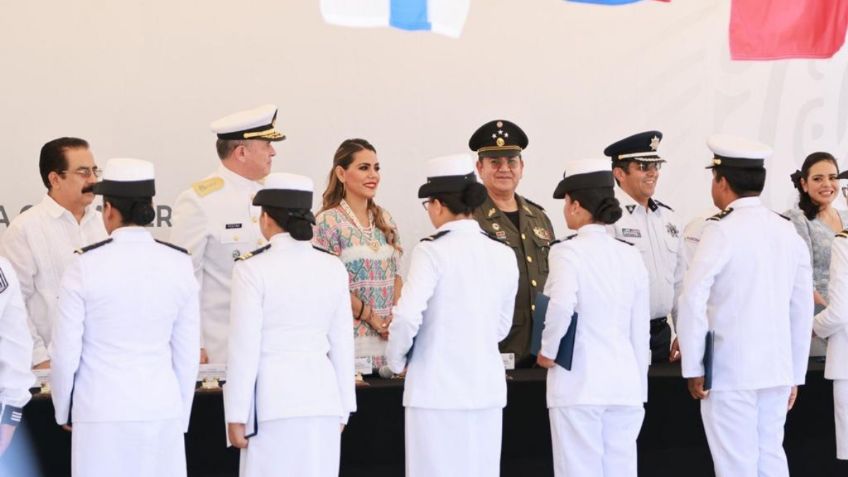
[604, 281]
[125, 346]
[832, 322]
[658, 236]
[15, 344]
[457, 305]
[750, 282]
[40, 243]
[291, 348]
[216, 222]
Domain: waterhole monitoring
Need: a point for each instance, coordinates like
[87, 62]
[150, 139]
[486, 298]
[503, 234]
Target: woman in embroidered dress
[364, 236]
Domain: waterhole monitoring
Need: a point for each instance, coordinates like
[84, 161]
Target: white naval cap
[256, 123]
[447, 174]
[127, 177]
[738, 152]
[584, 174]
[288, 191]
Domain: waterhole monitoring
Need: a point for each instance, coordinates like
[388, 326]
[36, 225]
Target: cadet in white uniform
[15, 355]
[750, 282]
[596, 407]
[40, 242]
[456, 305]
[651, 226]
[216, 222]
[832, 324]
[125, 345]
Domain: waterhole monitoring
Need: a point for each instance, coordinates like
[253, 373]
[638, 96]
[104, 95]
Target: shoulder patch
[533, 203]
[721, 215]
[253, 253]
[623, 241]
[208, 186]
[843, 234]
[435, 236]
[322, 250]
[168, 244]
[493, 237]
[92, 246]
[663, 205]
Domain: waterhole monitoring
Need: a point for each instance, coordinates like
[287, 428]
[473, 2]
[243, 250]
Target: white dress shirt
[604, 281]
[832, 322]
[457, 305]
[216, 222]
[658, 235]
[40, 243]
[291, 347]
[15, 342]
[125, 346]
[752, 284]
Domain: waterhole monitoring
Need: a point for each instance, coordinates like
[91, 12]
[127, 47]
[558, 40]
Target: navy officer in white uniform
[215, 220]
[750, 282]
[456, 306]
[125, 345]
[15, 355]
[290, 371]
[596, 407]
[651, 226]
[832, 324]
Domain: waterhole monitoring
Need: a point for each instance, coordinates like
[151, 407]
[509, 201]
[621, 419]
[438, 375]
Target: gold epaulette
[208, 186]
[843, 234]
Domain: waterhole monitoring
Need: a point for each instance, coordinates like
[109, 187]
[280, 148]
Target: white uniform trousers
[293, 447]
[595, 441]
[453, 443]
[840, 414]
[128, 449]
[745, 431]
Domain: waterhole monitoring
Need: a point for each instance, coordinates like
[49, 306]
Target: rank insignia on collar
[630, 208]
[491, 212]
[542, 233]
[672, 230]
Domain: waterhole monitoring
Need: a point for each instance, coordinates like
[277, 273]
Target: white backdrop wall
[145, 78]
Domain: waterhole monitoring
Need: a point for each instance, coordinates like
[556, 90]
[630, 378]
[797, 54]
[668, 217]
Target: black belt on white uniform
[657, 320]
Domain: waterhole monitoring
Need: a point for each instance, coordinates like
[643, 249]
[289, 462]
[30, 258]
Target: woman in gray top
[817, 221]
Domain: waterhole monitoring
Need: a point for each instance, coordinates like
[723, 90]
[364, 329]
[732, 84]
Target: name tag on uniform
[508, 361]
[233, 226]
[364, 365]
[632, 233]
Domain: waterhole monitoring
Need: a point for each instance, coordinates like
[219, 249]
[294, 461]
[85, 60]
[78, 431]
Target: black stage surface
[672, 442]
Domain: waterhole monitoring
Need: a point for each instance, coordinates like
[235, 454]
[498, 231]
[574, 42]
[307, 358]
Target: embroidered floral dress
[372, 265]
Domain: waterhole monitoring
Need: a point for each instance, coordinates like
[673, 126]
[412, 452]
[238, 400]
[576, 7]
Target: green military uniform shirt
[531, 243]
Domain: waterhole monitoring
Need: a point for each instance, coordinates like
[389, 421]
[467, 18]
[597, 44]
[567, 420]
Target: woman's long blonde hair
[335, 192]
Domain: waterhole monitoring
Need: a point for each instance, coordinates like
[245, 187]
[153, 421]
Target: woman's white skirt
[128, 449]
[297, 446]
[447, 443]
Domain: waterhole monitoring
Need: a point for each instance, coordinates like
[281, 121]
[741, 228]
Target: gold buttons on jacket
[523, 237]
[532, 307]
[533, 282]
[529, 259]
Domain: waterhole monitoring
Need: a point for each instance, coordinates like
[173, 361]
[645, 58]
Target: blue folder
[708, 360]
[565, 354]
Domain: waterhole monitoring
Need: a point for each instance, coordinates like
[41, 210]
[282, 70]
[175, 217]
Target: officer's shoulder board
[253, 253]
[168, 244]
[492, 236]
[323, 250]
[88, 248]
[208, 186]
[783, 216]
[721, 215]
[624, 241]
[562, 240]
[533, 204]
[435, 236]
[843, 234]
[663, 205]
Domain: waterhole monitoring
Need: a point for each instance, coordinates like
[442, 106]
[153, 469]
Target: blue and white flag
[446, 17]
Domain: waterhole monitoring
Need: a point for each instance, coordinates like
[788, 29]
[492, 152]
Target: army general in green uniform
[515, 220]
